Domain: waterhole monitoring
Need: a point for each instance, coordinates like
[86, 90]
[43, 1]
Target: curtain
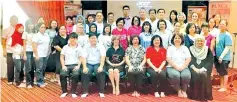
[49, 10]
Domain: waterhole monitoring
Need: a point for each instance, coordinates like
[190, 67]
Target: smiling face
[177, 40]
[199, 43]
[120, 24]
[192, 29]
[62, 30]
[162, 25]
[93, 28]
[223, 25]
[195, 17]
[90, 19]
[211, 23]
[99, 17]
[146, 28]
[93, 40]
[173, 16]
[42, 28]
[156, 42]
[135, 41]
[54, 24]
[107, 29]
[136, 21]
[21, 29]
[177, 26]
[79, 28]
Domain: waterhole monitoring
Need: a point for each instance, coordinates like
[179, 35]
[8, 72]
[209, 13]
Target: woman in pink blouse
[122, 32]
[135, 29]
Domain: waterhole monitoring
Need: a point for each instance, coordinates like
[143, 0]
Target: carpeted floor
[51, 93]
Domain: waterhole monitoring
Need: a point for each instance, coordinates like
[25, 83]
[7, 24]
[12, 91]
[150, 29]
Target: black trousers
[136, 80]
[74, 75]
[100, 77]
[158, 80]
[10, 68]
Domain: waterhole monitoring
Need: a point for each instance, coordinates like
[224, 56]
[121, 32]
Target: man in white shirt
[7, 52]
[127, 18]
[111, 21]
[99, 22]
[161, 15]
[142, 14]
[153, 20]
[93, 64]
[71, 61]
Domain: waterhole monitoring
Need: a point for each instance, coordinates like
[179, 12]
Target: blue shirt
[145, 39]
[222, 41]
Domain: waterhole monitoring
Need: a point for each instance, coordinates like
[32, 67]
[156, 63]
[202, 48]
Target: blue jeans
[92, 68]
[29, 68]
[40, 68]
[179, 79]
[18, 68]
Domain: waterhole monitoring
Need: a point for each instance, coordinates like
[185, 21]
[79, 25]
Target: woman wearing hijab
[201, 68]
[16, 43]
[81, 19]
[93, 29]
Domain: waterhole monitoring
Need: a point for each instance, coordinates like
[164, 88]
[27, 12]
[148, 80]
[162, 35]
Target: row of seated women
[176, 65]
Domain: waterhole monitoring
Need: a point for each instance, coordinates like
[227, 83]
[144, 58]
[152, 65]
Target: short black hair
[74, 16]
[181, 37]
[126, 6]
[135, 36]
[189, 26]
[152, 10]
[205, 24]
[119, 19]
[92, 34]
[158, 23]
[139, 20]
[175, 13]
[153, 38]
[73, 35]
[147, 23]
[107, 25]
[110, 13]
[160, 9]
[69, 17]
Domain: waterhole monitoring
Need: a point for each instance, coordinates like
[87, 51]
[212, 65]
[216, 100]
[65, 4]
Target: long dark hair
[139, 20]
[146, 23]
[153, 38]
[175, 13]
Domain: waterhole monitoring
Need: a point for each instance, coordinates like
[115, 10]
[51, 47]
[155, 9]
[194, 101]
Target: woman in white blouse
[106, 37]
[178, 58]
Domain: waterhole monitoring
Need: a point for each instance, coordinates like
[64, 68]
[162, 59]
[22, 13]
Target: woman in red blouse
[156, 59]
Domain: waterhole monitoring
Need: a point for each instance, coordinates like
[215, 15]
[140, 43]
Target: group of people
[168, 52]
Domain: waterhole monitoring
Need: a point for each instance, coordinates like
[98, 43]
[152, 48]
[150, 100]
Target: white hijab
[199, 53]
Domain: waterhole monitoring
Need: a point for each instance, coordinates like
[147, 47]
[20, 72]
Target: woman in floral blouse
[135, 59]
